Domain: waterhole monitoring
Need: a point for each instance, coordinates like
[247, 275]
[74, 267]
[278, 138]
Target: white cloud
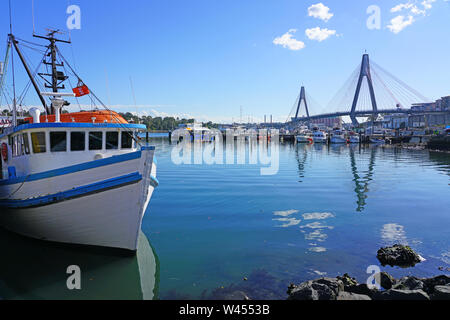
[320, 11]
[287, 41]
[319, 34]
[414, 8]
[399, 23]
[427, 4]
[401, 7]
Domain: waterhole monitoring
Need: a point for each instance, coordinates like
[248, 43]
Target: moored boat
[305, 136]
[80, 178]
[353, 137]
[319, 136]
[338, 137]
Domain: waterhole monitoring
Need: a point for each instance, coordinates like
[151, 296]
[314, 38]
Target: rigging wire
[98, 99]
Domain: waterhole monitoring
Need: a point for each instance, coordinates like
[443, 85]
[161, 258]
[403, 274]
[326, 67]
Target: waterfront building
[327, 122]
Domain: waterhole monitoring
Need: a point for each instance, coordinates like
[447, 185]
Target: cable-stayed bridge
[369, 91]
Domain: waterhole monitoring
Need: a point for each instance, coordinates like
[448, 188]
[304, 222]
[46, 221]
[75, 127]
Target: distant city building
[395, 121]
[442, 104]
[328, 122]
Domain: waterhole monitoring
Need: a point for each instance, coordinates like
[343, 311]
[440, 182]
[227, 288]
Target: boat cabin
[39, 147]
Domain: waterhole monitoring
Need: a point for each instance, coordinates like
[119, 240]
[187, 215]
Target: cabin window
[127, 140]
[58, 141]
[26, 143]
[95, 140]
[16, 146]
[112, 140]
[38, 142]
[77, 141]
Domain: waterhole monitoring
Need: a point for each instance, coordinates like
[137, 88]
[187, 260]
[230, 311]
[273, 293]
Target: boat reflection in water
[37, 270]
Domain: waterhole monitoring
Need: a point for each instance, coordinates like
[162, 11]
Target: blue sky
[207, 58]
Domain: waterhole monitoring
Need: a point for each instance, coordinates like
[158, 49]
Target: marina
[173, 151]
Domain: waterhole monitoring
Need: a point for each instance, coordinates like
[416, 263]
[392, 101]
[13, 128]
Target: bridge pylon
[302, 98]
[364, 73]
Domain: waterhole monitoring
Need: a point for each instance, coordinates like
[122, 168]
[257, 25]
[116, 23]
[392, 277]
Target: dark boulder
[431, 283]
[409, 283]
[362, 289]
[347, 296]
[441, 293]
[398, 255]
[347, 280]
[386, 280]
[320, 289]
[396, 294]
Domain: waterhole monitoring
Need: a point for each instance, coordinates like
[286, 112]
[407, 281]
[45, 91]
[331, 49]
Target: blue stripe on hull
[74, 193]
[74, 168]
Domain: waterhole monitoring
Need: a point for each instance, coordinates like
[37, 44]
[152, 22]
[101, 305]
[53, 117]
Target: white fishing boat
[338, 137]
[353, 138]
[319, 136]
[305, 136]
[78, 178]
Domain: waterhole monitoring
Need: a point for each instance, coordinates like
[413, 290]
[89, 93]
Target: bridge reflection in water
[36, 270]
[361, 177]
[362, 182]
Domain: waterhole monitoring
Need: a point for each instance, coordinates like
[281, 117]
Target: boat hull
[338, 140]
[353, 140]
[320, 140]
[304, 139]
[95, 211]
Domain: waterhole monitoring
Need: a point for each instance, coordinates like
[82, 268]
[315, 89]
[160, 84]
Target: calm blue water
[327, 212]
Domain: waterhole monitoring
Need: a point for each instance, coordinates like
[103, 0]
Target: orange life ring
[5, 152]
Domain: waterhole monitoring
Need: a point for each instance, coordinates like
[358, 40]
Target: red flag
[81, 91]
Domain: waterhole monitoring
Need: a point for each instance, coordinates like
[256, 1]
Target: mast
[27, 69]
[4, 69]
[13, 75]
[57, 77]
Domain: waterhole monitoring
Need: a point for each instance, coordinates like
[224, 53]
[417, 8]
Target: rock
[409, 283]
[334, 284]
[347, 280]
[362, 289]
[348, 296]
[444, 269]
[304, 291]
[396, 294]
[441, 293]
[320, 289]
[398, 255]
[431, 283]
[386, 280]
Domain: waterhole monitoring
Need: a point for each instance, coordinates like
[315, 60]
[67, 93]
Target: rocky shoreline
[347, 288]
[385, 287]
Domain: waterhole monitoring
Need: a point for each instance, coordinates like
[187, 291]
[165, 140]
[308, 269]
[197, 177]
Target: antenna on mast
[134, 97]
[14, 121]
[32, 15]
